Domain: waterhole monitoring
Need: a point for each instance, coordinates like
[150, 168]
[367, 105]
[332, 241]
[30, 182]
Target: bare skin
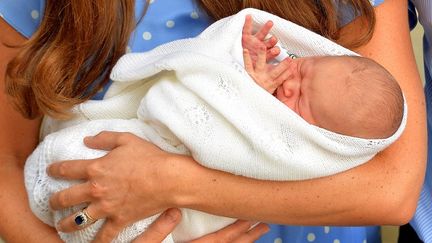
[17, 140]
[19, 137]
[393, 178]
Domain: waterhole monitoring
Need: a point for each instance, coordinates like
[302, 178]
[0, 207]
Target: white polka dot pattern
[34, 14]
[147, 36]
[278, 240]
[170, 24]
[311, 237]
[194, 15]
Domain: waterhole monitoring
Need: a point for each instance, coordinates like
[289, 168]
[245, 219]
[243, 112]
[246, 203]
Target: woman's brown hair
[78, 42]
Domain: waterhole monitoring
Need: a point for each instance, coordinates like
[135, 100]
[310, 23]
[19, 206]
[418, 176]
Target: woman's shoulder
[22, 15]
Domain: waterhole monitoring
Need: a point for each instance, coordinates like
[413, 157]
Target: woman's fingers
[109, 231]
[253, 234]
[236, 232]
[69, 223]
[161, 227]
[72, 196]
[71, 169]
[107, 140]
[78, 169]
[155, 233]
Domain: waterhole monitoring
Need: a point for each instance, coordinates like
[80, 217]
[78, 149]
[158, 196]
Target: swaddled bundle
[193, 97]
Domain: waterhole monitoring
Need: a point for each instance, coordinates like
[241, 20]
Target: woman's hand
[130, 183]
[157, 231]
[240, 232]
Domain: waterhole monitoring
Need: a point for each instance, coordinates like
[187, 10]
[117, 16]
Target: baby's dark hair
[376, 99]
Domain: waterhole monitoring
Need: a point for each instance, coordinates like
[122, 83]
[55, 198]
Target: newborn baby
[349, 95]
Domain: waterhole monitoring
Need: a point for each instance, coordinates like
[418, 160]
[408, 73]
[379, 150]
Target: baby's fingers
[264, 30]
[261, 63]
[248, 63]
[247, 27]
[272, 53]
[270, 42]
[281, 71]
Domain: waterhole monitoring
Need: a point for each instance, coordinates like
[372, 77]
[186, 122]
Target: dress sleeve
[23, 15]
[376, 2]
[346, 11]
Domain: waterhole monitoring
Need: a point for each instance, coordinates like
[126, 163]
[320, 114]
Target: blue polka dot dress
[168, 20]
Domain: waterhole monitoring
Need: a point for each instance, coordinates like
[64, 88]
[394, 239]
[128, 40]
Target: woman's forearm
[374, 193]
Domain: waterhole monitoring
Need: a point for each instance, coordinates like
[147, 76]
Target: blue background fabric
[168, 20]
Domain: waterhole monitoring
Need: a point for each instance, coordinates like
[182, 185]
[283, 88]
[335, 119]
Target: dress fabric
[168, 20]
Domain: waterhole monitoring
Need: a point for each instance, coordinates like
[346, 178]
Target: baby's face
[315, 90]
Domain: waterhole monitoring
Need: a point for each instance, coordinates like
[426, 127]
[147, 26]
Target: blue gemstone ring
[82, 218]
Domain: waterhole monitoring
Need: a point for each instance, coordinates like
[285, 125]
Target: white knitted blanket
[193, 97]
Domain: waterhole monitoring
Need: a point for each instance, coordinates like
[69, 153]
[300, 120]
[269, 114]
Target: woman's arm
[18, 137]
[382, 191]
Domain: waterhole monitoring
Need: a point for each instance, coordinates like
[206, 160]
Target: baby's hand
[254, 42]
[268, 76]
